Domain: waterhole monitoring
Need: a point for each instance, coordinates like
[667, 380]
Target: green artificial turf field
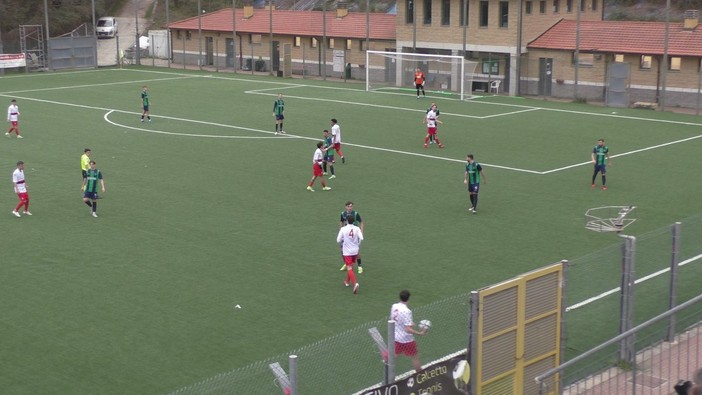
[206, 209]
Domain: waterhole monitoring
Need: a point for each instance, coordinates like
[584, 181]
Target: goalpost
[445, 74]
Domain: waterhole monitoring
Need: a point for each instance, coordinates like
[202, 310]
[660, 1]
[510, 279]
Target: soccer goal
[445, 74]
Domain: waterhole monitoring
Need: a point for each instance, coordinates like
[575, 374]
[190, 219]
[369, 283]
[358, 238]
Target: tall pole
[137, 46]
[46, 22]
[199, 34]
[577, 51]
[464, 16]
[367, 26]
[168, 35]
[414, 26]
[518, 65]
[664, 66]
[2, 70]
[324, 40]
[270, 34]
[234, 34]
[95, 53]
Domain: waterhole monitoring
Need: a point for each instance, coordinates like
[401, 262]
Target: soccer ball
[424, 325]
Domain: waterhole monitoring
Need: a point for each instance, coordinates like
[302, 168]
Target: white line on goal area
[638, 281]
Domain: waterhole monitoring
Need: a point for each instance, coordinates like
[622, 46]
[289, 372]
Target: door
[545, 76]
[275, 62]
[209, 51]
[229, 60]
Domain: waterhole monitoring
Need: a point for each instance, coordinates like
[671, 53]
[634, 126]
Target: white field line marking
[107, 119]
[624, 154]
[273, 89]
[640, 280]
[508, 113]
[92, 85]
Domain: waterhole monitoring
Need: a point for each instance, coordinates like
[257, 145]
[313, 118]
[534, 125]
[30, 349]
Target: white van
[106, 27]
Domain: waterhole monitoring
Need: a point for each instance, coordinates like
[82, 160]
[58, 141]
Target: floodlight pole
[199, 34]
[137, 46]
[48, 43]
[663, 68]
[95, 52]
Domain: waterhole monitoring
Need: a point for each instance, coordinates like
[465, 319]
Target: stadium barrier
[662, 269]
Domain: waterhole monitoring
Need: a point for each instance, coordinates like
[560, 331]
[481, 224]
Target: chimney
[691, 19]
[248, 11]
[342, 9]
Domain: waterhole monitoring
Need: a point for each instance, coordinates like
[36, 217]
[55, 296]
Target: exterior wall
[682, 86]
[303, 56]
[490, 42]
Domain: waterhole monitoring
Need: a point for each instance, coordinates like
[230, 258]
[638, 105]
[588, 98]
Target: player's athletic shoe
[27, 213]
[324, 174]
[343, 267]
[282, 132]
[7, 134]
[471, 208]
[326, 189]
[94, 214]
[426, 146]
[593, 185]
[15, 213]
[441, 146]
[332, 176]
[355, 288]
[360, 270]
[19, 137]
[604, 188]
[343, 159]
[346, 283]
[309, 188]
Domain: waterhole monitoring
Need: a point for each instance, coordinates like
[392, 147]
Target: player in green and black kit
[328, 154]
[600, 158]
[92, 178]
[279, 113]
[349, 211]
[145, 103]
[472, 178]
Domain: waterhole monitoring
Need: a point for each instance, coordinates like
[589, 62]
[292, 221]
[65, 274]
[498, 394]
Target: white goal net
[445, 74]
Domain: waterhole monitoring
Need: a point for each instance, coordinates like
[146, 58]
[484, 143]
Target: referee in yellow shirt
[85, 164]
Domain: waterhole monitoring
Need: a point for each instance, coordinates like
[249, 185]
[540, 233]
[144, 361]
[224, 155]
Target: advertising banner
[10, 60]
[449, 377]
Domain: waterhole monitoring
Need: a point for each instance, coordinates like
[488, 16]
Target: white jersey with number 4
[402, 316]
[336, 134]
[352, 237]
[18, 179]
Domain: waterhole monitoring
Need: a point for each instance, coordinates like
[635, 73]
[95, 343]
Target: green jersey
[473, 170]
[328, 145]
[600, 154]
[278, 107]
[91, 180]
[356, 217]
[145, 98]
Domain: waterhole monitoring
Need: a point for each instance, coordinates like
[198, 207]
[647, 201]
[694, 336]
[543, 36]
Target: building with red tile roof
[314, 38]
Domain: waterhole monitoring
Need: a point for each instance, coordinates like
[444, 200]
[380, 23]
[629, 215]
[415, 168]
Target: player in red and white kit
[350, 237]
[404, 330]
[13, 118]
[431, 120]
[336, 138]
[317, 162]
[20, 190]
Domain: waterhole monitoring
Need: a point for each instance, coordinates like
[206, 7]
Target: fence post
[626, 351]
[390, 367]
[292, 361]
[472, 339]
[672, 298]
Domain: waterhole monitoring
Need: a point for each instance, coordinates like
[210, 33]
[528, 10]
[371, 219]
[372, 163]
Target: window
[483, 13]
[445, 12]
[569, 5]
[362, 45]
[409, 17]
[556, 6]
[584, 59]
[528, 8]
[491, 67]
[674, 63]
[427, 12]
[645, 63]
[464, 12]
[504, 13]
[314, 42]
[582, 5]
[542, 7]
[298, 41]
[330, 43]
[619, 58]
[349, 44]
[594, 5]
[188, 35]
[178, 34]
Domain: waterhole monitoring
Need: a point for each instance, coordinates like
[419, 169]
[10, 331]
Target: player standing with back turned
[279, 113]
[600, 158]
[145, 103]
